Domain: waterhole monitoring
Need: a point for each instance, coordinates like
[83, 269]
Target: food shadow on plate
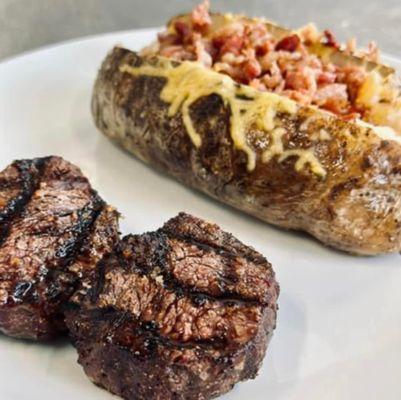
[61, 342]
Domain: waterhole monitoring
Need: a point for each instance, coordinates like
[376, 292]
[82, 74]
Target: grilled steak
[184, 312]
[53, 229]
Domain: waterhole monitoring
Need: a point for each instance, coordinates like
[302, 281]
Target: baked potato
[294, 165]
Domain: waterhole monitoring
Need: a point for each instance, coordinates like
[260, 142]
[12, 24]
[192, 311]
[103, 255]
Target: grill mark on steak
[209, 234]
[223, 276]
[157, 252]
[126, 333]
[29, 182]
[86, 218]
[68, 252]
[149, 301]
[204, 245]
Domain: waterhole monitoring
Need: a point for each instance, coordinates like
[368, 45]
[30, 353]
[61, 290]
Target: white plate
[339, 327]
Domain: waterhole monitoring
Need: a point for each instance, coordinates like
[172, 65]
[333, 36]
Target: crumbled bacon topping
[247, 51]
[330, 40]
[289, 43]
[200, 15]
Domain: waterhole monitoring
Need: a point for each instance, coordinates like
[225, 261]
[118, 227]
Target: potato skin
[355, 208]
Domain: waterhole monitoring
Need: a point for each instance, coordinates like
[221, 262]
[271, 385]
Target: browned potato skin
[356, 207]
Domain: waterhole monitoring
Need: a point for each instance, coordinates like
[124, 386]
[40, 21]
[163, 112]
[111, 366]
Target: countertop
[29, 24]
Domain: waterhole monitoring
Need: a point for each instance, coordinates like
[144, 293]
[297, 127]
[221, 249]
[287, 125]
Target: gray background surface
[28, 24]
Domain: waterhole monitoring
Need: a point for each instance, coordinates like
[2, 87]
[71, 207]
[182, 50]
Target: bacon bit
[336, 106]
[167, 39]
[353, 77]
[264, 48]
[233, 44]
[289, 43]
[298, 96]
[274, 81]
[177, 53]
[337, 91]
[252, 69]
[200, 15]
[330, 40]
[218, 41]
[302, 79]
[333, 98]
[324, 77]
[183, 31]
[257, 35]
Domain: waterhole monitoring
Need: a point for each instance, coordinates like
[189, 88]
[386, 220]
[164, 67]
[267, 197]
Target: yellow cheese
[189, 81]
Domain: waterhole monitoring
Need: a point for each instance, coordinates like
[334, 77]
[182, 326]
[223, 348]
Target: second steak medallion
[184, 312]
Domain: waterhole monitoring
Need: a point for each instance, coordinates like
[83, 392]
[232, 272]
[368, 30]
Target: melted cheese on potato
[189, 81]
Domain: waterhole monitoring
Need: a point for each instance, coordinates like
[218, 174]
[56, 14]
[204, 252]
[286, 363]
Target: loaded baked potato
[282, 125]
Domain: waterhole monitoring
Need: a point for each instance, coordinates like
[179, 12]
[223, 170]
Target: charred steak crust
[16, 194]
[184, 312]
[53, 229]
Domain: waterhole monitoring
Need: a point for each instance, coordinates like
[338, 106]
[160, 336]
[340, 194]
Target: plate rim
[73, 41]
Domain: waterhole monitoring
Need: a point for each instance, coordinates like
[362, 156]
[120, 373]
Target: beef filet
[53, 229]
[184, 312]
